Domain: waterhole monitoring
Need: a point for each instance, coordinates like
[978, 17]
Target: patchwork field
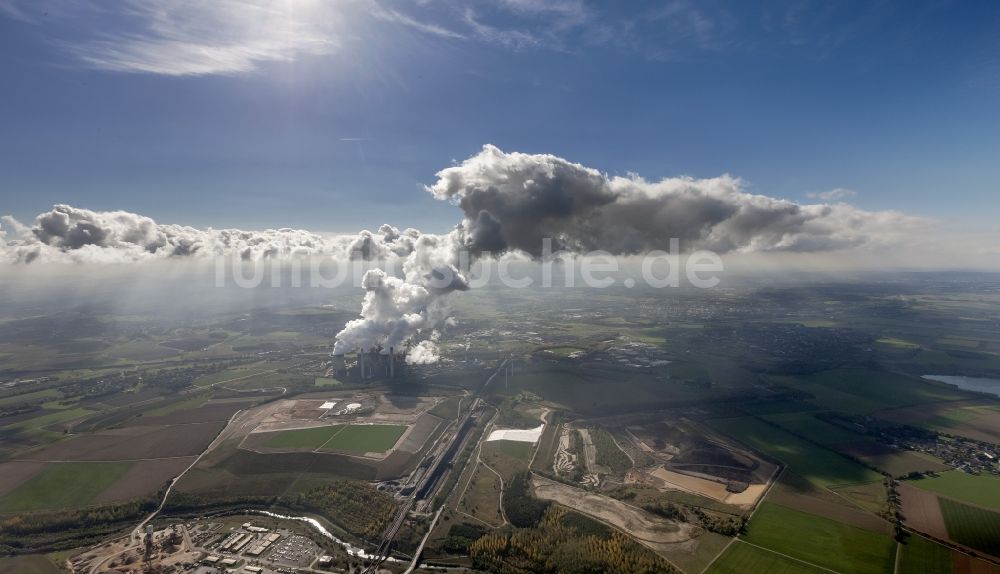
[818, 465]
[863, 391]
[821, 541]
[974, 419]
[131, 443]
[980, 490]
[885, 458]
[974, 527]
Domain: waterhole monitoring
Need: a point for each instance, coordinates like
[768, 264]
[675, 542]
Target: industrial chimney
[392, 363]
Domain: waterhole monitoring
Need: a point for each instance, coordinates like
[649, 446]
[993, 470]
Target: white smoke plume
[397, 309]
[423, 353]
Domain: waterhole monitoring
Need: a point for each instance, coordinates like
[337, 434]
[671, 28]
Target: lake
[978, 384]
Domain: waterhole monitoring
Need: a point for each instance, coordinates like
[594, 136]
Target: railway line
[428, 484]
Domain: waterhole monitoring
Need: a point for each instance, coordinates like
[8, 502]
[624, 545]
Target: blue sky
[330, 116]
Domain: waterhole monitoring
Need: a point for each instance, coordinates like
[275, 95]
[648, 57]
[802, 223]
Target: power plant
[374, 362]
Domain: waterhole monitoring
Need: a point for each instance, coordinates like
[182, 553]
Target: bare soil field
[656, 533]
[702, 486]
[922, 512]
[965, 564]
[14, 473]
[418, 434]
[143, 478]
[132, 443]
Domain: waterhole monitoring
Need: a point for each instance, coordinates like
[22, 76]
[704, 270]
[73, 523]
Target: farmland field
[365, 438]
[64, 484]
[981, 490]
[28, 564]
[308, 438]
[974, 527]
[821, 541]
[741, 557]
[920, 555]
[862, 391]
[818, 465]
[516, 449]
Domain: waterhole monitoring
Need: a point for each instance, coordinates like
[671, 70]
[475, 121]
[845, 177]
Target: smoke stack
[392, 363]
[361, 362]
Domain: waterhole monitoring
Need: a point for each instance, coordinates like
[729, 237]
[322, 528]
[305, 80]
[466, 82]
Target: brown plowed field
[209, 412]
[922, 512]
[965, 564]
[143, 478]
[12, 474]
[133, 443]
[845, 513]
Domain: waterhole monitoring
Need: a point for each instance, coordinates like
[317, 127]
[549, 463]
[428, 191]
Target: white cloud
[390, 15]
[194, 37]
[836, 194]
[516, 200]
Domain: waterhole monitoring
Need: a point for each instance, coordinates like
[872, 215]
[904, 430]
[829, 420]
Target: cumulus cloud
[515, 200]
[836, 194]
[511, 202]
[72, 234]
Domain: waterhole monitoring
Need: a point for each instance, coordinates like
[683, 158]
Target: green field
[981, 490]
[922, 556]
[176, 406]
[310, 438]
[740, 558]
[29, 564]
[327, 382]
[862, 391]
[365, 438]
[806, 424]
[513, 448]
[29, 397]
[974, 527]
[820, 466]
[36, 426]
[821, 541]
[64, 484]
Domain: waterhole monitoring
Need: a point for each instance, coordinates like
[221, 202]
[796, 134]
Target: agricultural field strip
[89, 460]
[782, 554]
[340, 430]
